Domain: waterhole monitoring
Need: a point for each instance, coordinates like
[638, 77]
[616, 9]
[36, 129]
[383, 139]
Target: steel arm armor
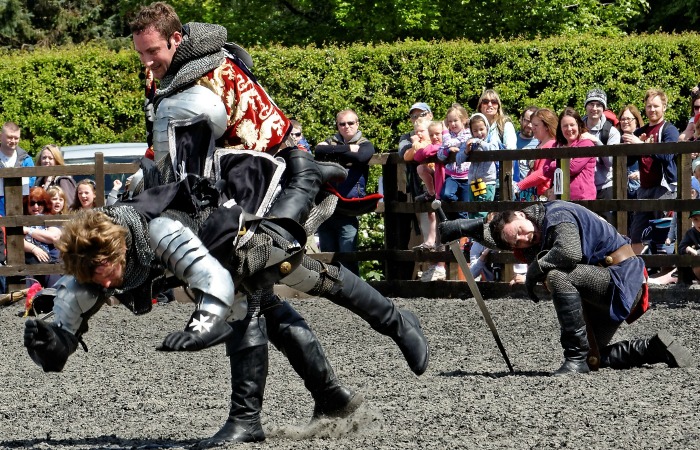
[184, 254]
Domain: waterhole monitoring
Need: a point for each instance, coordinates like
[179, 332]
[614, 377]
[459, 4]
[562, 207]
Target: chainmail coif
[139, 256]
[200, 51]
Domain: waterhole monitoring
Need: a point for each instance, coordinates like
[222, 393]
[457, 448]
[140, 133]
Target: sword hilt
[437, 206]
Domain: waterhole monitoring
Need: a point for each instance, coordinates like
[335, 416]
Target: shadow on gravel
[462, 373]
[111, 442]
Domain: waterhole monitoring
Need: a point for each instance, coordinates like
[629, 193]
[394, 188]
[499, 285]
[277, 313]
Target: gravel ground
[123, 394]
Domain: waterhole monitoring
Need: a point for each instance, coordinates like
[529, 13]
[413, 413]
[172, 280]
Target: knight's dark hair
[499, 221]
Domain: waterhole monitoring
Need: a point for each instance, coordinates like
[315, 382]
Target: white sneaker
[434, 273]
[439, 274]
[427, 274]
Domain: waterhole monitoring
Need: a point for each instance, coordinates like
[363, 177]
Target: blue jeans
[339, 234]
[455, 191]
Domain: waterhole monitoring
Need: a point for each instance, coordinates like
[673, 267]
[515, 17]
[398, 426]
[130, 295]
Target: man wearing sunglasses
[353, 151]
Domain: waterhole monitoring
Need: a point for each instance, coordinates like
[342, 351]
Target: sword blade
[471, 282]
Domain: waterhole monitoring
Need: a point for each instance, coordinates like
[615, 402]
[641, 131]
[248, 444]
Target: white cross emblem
[200, 326]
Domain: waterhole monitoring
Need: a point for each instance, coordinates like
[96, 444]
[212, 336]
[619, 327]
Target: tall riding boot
[304, 177]
[573, 333]
[383, 316]
[290, 333]
[247, 351]
[662, 348]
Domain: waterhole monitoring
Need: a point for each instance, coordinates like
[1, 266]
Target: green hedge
[90, 94]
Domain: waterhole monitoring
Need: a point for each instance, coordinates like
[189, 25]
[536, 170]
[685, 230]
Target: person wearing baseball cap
[420, 109]
[426, 224]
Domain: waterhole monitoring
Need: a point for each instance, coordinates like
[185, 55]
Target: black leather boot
[452, 230]
[303, 179]
[290, 333]
[662, 348]
[573, 333]
[247, 350]
[384, 316]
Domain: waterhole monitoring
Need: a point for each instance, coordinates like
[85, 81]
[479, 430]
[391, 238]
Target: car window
[113, 154]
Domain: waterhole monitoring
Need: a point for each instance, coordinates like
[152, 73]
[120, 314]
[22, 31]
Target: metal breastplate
[185, 105]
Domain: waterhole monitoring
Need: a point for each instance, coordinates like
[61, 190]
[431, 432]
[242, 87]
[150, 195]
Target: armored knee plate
[302, 279]
[184, 254]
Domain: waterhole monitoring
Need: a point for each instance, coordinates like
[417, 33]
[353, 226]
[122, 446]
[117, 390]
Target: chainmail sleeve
[564, 246]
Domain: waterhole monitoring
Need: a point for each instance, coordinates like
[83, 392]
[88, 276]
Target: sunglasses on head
[350, 124]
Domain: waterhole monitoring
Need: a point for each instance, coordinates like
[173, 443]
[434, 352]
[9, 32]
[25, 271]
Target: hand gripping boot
[452, 230]
[303, 179]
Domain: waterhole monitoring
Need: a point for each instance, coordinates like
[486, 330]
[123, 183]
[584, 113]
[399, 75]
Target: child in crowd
[85, 195]
[482, 175]
[690, 244]
[478, 254]
[454, 140]
[431, 171]
[298, 136]
[427, 139]
[59, 200]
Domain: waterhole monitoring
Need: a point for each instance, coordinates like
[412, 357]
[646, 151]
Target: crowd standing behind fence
[599, 125]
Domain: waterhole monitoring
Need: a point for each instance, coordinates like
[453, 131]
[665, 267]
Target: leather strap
[619, 255]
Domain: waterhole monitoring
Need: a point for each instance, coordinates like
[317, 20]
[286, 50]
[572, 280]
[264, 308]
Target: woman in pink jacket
[544, 128]
[569, 134]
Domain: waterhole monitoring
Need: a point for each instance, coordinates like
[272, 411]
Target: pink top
[582, 170]
[536, 177]
[429, 154]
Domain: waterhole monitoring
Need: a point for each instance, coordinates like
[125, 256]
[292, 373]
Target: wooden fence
[398, 262]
